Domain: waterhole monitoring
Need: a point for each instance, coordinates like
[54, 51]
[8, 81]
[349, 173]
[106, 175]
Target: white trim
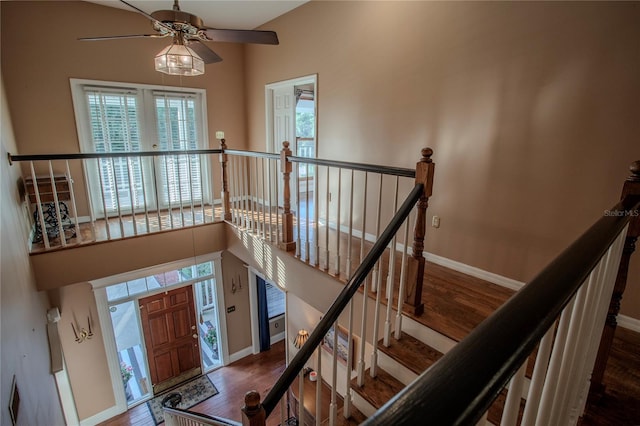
[268, 99]
[220, 303]
[102, 416]
[253, 308]
[446, 262]
[151, 270]
[111, 350]
[66, 396]
[240, 354]
[475, 272]
[629, 323]
[277, 337]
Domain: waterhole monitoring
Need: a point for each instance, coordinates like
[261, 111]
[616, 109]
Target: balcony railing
[562, 311]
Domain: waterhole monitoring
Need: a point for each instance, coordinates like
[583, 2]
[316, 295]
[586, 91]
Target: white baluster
[319, 388]
[333, 408]
[132, 197]
[326, 225]
[350, 236]
[403, 284]
[538, 378]
[347, 396]
[512, 404]
[391, 276]
[550, 385]
[117, 198]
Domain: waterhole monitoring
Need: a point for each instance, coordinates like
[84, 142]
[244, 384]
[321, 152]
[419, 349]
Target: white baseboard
[624, 321]
[277, 337]
[629, 323]
[475, 272]
[240, 354]
[102, 416]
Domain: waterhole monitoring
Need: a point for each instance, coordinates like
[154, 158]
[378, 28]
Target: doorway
[291, 115]
[144, 314]
[169, 329]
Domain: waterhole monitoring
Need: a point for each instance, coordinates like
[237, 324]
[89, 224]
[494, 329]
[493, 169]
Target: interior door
[284, 122]
[171, 337]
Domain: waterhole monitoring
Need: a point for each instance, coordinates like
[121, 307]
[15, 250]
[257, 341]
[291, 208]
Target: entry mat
[184, 397]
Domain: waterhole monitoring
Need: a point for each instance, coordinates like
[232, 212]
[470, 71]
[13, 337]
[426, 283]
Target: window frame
[145, 95]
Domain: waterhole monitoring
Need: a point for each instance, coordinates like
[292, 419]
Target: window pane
[275, 301]
[113, 118]
[177, 131]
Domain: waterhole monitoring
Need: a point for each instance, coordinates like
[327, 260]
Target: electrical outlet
[219, 135]
[435, 221]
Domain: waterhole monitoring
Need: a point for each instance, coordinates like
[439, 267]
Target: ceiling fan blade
[207, 55]
[242, 36]
[149, 17]
[123, 36]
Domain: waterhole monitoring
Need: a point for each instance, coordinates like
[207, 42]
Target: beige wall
[531, 108]
[24, 350]
[84, 263]
[40, 53]
[86, 361]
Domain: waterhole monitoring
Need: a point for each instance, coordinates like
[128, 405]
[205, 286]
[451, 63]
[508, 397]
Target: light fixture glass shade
[301, 337]
[178, 59]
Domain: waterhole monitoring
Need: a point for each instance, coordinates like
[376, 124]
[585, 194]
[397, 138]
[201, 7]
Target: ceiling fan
[188, 53]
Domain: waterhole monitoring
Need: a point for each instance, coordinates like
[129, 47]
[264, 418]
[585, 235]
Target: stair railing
[562, 310]
[308, 206]
[330, 318]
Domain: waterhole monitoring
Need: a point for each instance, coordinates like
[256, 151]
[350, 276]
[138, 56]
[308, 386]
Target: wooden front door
[171, 337]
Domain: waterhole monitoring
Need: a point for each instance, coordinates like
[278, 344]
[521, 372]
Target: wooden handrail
[345, 296]
[374, 168]
[461, 386]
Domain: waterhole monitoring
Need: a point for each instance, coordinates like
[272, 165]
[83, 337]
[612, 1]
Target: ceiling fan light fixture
[178, 59]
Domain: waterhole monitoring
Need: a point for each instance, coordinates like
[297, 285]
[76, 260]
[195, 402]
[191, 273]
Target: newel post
[253, 413]
[226, 205]
[415, 266]
[630, 190]
[287, 243]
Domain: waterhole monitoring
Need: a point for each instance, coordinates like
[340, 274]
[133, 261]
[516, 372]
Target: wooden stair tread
[356, 418]
[411, 352]
[377, 390]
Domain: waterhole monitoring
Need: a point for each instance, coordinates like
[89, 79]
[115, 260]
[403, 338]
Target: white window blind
[177, 131]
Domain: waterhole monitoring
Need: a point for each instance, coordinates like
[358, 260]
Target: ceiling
[231, 14]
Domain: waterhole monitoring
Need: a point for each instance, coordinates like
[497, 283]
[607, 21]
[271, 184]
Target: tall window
[117, 118]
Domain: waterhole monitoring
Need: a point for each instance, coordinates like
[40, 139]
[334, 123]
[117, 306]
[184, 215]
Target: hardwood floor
[258, 372]
[455, 303]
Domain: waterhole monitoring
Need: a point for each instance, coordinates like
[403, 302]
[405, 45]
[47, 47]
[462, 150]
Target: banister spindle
[226, 209]
[287, 243]
[630, 190]
[424, 175]
[253, 413]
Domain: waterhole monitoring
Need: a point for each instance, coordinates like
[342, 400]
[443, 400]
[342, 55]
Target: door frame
[106, 328]
[268, 99]
[253, 309]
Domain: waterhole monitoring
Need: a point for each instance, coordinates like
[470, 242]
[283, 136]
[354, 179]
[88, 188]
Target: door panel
[169, 324]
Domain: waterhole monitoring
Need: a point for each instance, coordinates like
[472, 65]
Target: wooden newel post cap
[426, 155]
[223, 144]
[634, 168]
[252, 400]
[285, 145]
